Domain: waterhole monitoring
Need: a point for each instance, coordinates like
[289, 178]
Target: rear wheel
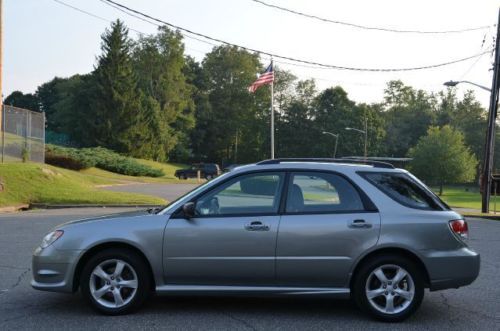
[388, 287]
[116, 281]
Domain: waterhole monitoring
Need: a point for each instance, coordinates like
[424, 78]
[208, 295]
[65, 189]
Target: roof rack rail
[376, 164]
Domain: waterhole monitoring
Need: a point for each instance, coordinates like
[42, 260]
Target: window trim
[433, 204]
[368, 205]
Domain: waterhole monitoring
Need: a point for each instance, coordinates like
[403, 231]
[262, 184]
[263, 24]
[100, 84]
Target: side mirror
[189, 210]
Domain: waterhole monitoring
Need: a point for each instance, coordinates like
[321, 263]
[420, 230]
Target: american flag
[266, 77]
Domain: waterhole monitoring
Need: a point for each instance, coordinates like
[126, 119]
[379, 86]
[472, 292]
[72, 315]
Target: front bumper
[451, 269]
[53, 269]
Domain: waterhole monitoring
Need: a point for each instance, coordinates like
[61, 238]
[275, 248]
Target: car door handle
[360, 224]
[256, 226]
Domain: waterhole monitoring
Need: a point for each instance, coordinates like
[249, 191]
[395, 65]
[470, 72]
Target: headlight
[51, 238]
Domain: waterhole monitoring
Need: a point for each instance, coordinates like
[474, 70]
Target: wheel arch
[403, 252]
[103, 246]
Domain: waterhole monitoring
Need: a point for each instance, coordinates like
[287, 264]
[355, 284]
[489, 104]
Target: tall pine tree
[116, 107]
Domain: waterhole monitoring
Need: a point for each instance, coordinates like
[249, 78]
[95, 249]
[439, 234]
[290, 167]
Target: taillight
[460, 228]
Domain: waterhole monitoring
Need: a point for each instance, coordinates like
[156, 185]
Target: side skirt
[251, 290]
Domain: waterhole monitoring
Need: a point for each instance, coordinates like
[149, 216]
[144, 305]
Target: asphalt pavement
[476, 307]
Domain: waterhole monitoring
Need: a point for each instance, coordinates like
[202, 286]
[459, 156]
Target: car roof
[337, 165]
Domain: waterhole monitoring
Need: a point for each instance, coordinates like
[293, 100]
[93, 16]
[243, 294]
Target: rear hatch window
[405, 190]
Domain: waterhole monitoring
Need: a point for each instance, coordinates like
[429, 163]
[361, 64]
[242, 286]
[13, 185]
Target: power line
[91, 14]
[153, 23]
[132, 29]
[365, 27]
[330, 66]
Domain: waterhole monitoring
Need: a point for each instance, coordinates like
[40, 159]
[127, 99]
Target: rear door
[327, 223]
[232, 239]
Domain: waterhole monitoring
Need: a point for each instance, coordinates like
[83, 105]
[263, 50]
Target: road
[476, 307]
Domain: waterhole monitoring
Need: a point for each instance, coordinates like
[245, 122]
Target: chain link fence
[22, 135]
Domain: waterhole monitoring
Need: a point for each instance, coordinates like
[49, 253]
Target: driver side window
[249, 194]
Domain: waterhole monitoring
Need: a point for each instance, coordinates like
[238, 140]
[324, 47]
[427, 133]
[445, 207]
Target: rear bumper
[451, 269]
[53, 269]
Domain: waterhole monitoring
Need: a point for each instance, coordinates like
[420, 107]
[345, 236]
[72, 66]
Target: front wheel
[116, 281]
[389, 287]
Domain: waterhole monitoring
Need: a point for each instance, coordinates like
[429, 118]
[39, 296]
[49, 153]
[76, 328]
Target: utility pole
[2, 120]
[490, 133]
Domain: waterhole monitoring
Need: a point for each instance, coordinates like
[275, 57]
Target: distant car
[207, 170]
[279, 227]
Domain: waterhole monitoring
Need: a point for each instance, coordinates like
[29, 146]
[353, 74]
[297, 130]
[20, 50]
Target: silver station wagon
[288, 227]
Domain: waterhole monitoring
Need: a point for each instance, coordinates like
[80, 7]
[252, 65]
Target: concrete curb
[49, 206]
[479, 215]
[13, 209]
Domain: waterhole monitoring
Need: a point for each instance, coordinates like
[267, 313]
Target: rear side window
[403, 189]
[317, 192]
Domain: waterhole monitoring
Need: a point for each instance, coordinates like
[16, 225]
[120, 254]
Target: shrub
[77, 159]
[64, 161]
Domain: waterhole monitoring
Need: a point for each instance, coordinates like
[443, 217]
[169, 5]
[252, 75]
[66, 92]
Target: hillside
[38, 183]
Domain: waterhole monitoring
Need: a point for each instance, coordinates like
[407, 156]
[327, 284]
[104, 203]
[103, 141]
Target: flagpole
[272, 113]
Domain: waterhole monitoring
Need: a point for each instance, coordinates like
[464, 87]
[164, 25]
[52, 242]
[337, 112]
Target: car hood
[103, 218]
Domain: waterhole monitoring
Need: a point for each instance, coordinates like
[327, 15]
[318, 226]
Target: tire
[132, 284]
[368, 279]
[184, 177]
[209, 177]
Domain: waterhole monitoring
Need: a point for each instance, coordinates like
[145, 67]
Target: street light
[453, 83]
[490, 133]
[365, 132]
[336, 141]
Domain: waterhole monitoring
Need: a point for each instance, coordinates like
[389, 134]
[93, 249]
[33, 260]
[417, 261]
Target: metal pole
[336, 143]
[490, 134]
[366, 136]
[495, 200]
[236, 148]
[272, 113]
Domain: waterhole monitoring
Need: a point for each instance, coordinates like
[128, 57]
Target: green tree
[441, 157]
[160, 66]
[21, 100]
[295, 132]
[234, 114]
[466, 115]
[408, 114]
[116, 118]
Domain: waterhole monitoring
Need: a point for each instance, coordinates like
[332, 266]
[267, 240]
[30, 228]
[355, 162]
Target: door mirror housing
[189, 209]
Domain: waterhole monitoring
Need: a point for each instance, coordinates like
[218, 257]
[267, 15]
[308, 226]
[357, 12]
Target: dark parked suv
[207, 170]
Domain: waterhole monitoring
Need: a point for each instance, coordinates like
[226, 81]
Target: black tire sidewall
[139, 266]
[359, 293]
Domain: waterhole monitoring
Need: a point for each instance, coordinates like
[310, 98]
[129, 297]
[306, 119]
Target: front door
[325, 227]
[232, 238]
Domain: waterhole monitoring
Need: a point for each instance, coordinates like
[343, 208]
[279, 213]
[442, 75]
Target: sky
[44, 39]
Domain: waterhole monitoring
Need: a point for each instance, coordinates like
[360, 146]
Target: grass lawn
[464, 197]
[33, 182]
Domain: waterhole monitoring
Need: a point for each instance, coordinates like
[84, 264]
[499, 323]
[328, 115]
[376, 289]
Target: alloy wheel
[390, 289]
[113, 283]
